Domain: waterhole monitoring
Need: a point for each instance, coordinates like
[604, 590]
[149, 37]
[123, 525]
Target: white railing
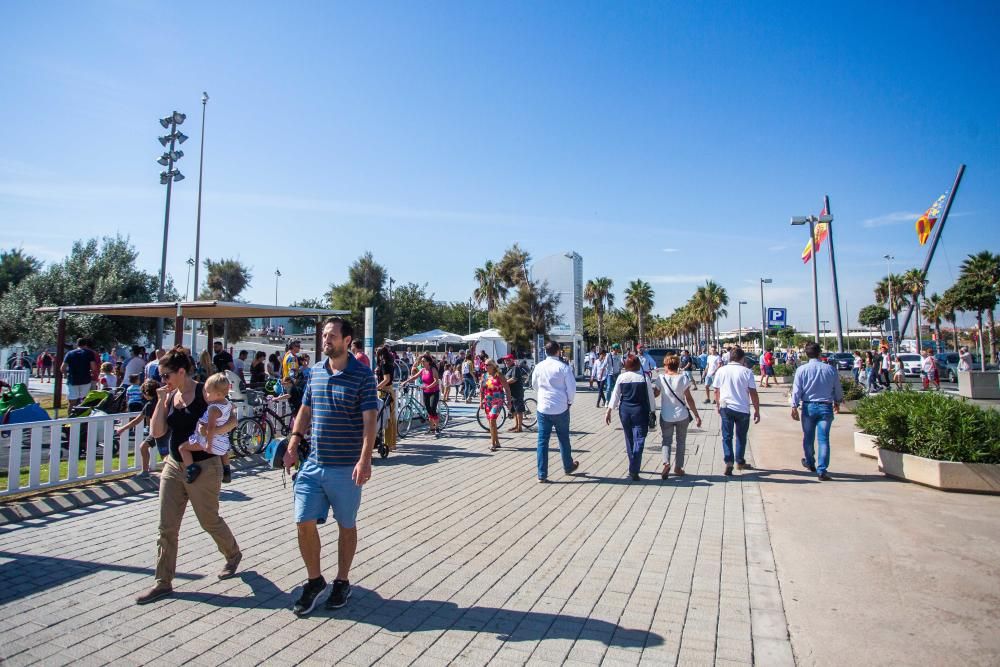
[86, 440]
[19, 376]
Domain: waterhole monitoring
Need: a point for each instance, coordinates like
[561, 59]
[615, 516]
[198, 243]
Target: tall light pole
[197, 228]
[389, 329]
[167, 178]
[470, 315]
[826, 324]
[888, 281]
[763, 318]
[187, 283]
[739, 314]
[277, 274]
[811, 220]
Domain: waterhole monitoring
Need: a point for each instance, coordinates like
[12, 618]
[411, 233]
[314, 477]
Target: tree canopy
[15, 266]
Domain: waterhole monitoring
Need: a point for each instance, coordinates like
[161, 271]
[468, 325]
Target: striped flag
[925, 223]
[820, 234]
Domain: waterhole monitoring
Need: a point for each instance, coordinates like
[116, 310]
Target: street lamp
[187, 282]
[763, 319]
[888, 281]
[811, 220]
[167, 178]
[825, 324]
[197, 229]
[739, 313]
[389, 330]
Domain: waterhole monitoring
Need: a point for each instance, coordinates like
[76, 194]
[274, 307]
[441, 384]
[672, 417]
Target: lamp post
[197, 229]
[187, 283]
[825, 324]
[470, 315]
[739, 314]
[389, 329]
[888, 281]
[811, 220]
[167, 178]
[763, 319]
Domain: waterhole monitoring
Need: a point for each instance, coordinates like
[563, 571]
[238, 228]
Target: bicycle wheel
[484, 422]
[250, 437]
[443, 415]
[404, 420]
[530, 413]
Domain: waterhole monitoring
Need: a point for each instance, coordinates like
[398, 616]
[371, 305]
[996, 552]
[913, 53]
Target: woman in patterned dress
[494, 392]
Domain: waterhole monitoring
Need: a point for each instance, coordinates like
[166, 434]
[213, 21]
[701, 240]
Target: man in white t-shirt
[712, 363]
[735, 390]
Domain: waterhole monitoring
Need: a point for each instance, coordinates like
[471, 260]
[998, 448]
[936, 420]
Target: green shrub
[784, 370]
[931, 425]
[852, 390]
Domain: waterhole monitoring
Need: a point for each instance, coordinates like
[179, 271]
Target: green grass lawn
[64, 470]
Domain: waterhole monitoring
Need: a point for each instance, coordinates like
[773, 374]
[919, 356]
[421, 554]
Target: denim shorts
[320, 488]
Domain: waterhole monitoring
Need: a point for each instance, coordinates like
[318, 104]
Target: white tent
[489, 340]
[432, 337]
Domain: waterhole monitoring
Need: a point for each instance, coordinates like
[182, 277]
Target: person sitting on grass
[205, 438]
[147, 392]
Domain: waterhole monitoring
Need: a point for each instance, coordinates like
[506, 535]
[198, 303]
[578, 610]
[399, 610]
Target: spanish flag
[821, 232]
[925, 223]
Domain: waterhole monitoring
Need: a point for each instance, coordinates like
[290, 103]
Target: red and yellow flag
[925, 223]
[820, 233]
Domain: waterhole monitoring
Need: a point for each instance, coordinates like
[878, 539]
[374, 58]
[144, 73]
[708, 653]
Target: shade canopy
[197, 310]
[490, 341]
[432, 337]
[486, 333]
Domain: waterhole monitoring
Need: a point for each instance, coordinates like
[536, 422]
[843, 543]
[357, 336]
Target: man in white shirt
[555, 389]
[646, 362]
[712, 363]
[735, 390]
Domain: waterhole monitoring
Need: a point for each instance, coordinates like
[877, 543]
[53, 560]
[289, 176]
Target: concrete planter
[979, 384]
[865, 445]
[848, 407]
[944, 475]
[783, 379]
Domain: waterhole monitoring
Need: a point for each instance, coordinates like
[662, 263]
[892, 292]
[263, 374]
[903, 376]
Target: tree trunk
[993, 341]
[954, 328]
[938, 344]
[916, 321]
[600, 325]
[982, 351]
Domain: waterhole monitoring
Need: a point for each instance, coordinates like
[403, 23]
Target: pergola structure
[179, 311]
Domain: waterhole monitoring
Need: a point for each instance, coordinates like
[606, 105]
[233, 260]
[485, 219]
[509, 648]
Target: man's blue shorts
[318, 488]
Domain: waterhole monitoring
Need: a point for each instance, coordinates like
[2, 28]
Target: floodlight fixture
[800, 220]
[178, 117]
[164, 159]
[178, 176]
[164, 140]
[181, 137]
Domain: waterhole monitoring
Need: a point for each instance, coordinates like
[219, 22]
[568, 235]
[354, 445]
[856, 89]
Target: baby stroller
[96, 402]
[380, 423]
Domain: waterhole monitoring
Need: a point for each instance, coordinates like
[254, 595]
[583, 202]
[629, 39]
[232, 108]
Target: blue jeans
[740, 421]
[635, 424]
[610, 386]
[468, 386]
[816, 419]
[545, 425]
[600, 391]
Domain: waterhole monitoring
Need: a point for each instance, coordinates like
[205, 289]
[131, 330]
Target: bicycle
[254, 431]
[529, 420]
[411, 408]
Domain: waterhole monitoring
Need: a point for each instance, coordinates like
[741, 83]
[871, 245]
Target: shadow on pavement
[28, 574]
[422, 455]
[806, 477]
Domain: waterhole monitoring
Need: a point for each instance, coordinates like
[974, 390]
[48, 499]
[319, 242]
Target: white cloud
[671, 250]
[776, 248]
[894, 218]
[677, 279]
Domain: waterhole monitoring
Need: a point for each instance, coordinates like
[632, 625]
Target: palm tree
[934, 311]
[914, 282]
[491, 290]
[639, 299]
[948, 311]
[598, 293]
[980, 273]
[709, 303]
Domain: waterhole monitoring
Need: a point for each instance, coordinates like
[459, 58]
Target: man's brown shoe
[744, 466]
[154, 594]
[229, 569]
[576, 466]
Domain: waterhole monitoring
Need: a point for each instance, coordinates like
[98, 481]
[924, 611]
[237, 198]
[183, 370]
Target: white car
[911, 364]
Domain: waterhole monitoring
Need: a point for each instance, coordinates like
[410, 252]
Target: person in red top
[766, 368]
[358, 350]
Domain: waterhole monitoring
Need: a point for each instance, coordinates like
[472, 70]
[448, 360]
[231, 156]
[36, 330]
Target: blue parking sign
[777, 317]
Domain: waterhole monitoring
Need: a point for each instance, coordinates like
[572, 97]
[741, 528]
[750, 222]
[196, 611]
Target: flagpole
[833, 270]
[812, 239]
[938, 228]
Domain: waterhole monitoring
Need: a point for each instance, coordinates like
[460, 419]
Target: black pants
[431, 403]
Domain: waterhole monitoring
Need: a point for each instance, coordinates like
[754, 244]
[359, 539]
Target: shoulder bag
[666, 381]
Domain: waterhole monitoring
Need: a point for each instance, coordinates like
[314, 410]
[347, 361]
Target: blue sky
[668, 141]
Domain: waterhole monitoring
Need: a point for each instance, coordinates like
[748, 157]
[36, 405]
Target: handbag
[674, 394]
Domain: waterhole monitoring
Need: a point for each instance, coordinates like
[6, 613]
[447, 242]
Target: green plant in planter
[784, 370]
[932, 426]
[852, 390]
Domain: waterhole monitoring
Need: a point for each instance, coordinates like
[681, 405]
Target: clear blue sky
[669, 141]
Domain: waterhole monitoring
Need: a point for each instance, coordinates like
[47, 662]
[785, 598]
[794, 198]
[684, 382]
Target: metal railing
[90, 441]
[19, 376]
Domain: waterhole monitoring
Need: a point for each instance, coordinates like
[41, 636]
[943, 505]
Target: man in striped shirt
[340, 405]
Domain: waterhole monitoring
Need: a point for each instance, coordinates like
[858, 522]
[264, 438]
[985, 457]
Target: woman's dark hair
[176, 359]
[260, 354]
[384, 355]
[632, 363]
[428, 358]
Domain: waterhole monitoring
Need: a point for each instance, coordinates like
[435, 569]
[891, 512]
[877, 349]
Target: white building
[564, 274]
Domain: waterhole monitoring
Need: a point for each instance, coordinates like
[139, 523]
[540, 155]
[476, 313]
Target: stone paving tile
[463, 557]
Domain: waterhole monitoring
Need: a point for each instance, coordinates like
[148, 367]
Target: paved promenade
[463, 557]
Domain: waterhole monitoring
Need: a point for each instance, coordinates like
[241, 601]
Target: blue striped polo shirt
[337, 400]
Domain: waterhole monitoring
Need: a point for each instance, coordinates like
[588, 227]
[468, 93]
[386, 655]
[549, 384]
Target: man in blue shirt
[818, 390]
[646, 361]
[340, 406]
[81, 368]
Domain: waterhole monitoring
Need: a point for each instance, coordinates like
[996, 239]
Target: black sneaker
[729, 470]
[192, 473]
[810, 468]
[310, 595]
[227, 474]
[823, 477]
[338, 596]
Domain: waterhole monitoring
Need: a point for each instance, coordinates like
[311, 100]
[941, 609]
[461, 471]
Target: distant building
[564, 274]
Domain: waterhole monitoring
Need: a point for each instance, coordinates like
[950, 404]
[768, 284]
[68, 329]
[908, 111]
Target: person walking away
[80, 366]
[258, 370]
[386, 367]
[687, 367]
[555, 387]
[601, 376]
[817, 389]
[677, 411]
[341, 407]
[358, 350]
[614, 361]
[633, 397]
[290, 362]
[469, 379]
[929, 370]
[515, 376]
[766, 368]
[152, 369]
[180, 404]
[136, 365]
[240, 366]
[712, 364]
[430, 384]
[591, 362]
[47, 362]
[735, 390]
[898, 373]
[884, 366]
[494, 394]
[857, 366]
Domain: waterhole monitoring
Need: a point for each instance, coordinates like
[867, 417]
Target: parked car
[911, 364]
[660, 353]
[948, 365]
[842, 361]
[750, 360]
